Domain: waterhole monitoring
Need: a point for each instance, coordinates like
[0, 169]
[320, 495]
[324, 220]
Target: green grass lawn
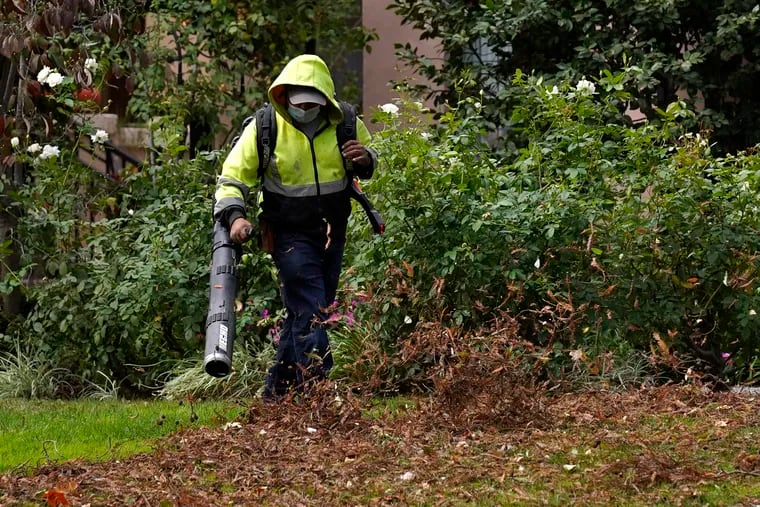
[37, 432]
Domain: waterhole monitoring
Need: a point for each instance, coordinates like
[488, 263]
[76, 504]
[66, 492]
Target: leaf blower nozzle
[220, 320]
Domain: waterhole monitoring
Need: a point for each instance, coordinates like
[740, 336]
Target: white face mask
[303, 116]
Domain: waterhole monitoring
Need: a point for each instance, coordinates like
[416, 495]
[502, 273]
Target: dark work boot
[280, 379]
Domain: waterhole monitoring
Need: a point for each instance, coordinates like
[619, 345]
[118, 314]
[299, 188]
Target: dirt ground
[666, 445]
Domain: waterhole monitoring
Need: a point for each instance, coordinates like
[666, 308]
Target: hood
[305, 70]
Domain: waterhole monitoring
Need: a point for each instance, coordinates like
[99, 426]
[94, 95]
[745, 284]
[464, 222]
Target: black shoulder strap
[266, 136]
[266, 132]
[246, 121]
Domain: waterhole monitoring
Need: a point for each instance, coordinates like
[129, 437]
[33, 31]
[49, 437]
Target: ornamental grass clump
[27, 374]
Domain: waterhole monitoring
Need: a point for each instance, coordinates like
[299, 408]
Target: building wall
[378, 69]
[381, 65]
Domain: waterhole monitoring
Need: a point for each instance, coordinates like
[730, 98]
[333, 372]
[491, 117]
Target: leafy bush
[592, 233]
[117, 270]
[115, 273]
[703, 51]
[596, 237]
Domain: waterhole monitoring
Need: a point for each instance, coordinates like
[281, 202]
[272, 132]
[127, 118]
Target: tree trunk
[13, 303]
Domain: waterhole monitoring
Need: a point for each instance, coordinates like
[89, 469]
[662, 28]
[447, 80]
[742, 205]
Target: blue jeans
[309, 275]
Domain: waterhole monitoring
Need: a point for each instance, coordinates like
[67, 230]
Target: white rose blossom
[49, 77]
[99, 137]
[553, 91]
[34, 148]
[49, 151]
[14, 142]
[585, 87]
[389, 108]
[43, 74]
[54, 79]
[91, 64]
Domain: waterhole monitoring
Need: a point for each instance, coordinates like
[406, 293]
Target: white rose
[43, 74]
[54, 79]
[34, 148]
[14, 142]
[392, 109]
[585, 87]
[49, 152]
[100, 136]
[91, 64]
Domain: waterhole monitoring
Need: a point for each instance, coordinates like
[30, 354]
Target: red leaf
[56, 497]
[88, 95]
[33, 88]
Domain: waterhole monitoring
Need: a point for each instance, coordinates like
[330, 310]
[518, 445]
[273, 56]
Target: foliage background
[707, 51]
[593, 241]
[113, 273]
[596, 238]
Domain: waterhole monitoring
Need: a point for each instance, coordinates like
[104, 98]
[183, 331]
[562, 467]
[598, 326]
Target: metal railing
[112, 159]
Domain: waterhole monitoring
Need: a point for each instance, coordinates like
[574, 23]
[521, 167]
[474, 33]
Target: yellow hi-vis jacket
[305, 182]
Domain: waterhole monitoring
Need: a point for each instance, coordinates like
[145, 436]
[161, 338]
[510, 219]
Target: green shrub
[127, 289]
[596, 236]
[124, 288]
[595, 232]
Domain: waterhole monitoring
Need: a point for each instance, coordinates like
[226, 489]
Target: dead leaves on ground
[457, 446]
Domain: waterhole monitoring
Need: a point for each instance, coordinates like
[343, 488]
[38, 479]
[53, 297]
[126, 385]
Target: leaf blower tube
[220, 321]
[356, 193]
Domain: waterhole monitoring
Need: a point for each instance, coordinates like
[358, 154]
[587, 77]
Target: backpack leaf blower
[220, 320]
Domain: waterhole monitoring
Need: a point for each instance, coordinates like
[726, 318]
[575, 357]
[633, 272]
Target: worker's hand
[355, 151]
[241, 230]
